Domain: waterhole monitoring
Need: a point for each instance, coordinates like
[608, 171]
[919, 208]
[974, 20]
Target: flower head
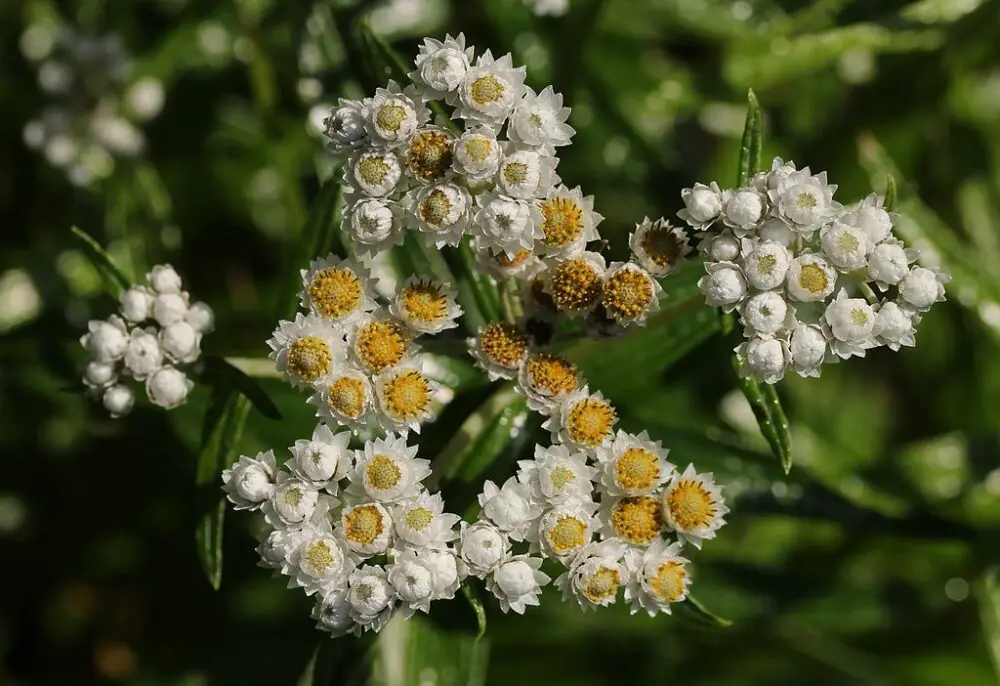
[387, 470]
[517, 582]
[658, 247]
[693, 506]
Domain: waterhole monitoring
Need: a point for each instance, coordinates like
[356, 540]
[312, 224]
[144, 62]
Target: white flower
[583, 421]
[366, 528]
[404, 394]
[332, 613]
[446, 576]
[441, 67]
[394, 114]
[779, 173]
[441, 211]
[851, 321]
[634, 519]
[279, 545]
[118, 400]
[595, 575]
[889, 262]
[546, 380]
[723, 285]
[250, 482]
[810, 278]
[136, 304]
[106, 341]
[170, 308]
[482, 546]
[527, 174]
[323, 459]
[375, 224]
[168, 387]
[894, 326]
[870, 217]
[557, 475]
[505, 224]
[574, 282]
[423, 523]
[180, 342]
[540, 120]
[163, 279]
[566, 219]
[201, 317]
[767, 313]
[512, 508]
[429, 154]
[693, 506]
[426, 306]
[808, 348]
[743, 209]
[321, 562]
[490, 90]
[804, 201]
[345, 399]
[143, 355]
[702, 205]
[100, 374]
[777, 231]
[765, 358]
[412, 578]
[373, 172]
[766, 266]
[563, 531]
[387, 470]
[923, 287]
[517, 582]
[630, 294]
[723, 247]
[633, 465]
[337, 289]
[477, 154]
[845, 247]
[345, 126]
[658, 577]
[292, 501]
[371, 597]
[659, 247]
[306, 351]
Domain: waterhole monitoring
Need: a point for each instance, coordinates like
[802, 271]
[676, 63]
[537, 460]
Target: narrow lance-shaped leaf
[114, 278]
[697, 613]
[220, 373]
[750, 145]
[890, 192]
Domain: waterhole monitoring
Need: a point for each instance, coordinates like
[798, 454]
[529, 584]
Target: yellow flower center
[363, 524]
[479, 149]
[690, 505]
[373, 170]
[561, 476]
[319, 557]
[668, 581]
[806, 200]
[347, 396]
[568, 534]
[382, 473]
[637, 468]
[589, 422]
[661, 246]
[551, 375]
[335, 292]
[859, 316]
[487, 89]
[435, 208]
[813, 278]
[430, 155]
[503, 344]
[628, 293]
[602, 584]
[309, 358]
[380, 344]
[847, 242]
[637, 519]
[407, 395]
[575, 284]
[390, 117]
[515, 172]
[424, 301]
[419, 518]
[766, 264]
[292, 497]
[562, 221]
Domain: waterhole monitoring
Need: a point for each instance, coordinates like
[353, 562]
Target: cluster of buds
[156, 334]
[799, 269]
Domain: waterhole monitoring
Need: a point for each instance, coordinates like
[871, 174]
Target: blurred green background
[870, 564]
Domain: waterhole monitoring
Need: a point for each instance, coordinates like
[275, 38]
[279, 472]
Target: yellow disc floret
[661, 246]
[429, 155]
[390, 116]
[319, 557]
[335, 292]
[373, 170]
[503, 344]
[562, 476]
[435, 208]
[382, 473]
[363, 524]
[551, 375]
[424, 302]
[380, 344]
[478, 149]
[407, 395]
[637, 468]
[562, 221]
[347, 396]
[627, 294]
[601, 585]
[669, 581]
[568, 534]
[419, 518]
[637, 519]
[590, 421]
[575, 284]
[487, 89]
[309, 358]
[812, 278]
[690, 505]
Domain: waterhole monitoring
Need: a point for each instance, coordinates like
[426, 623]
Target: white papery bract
[320, 562]
[413, 579]
[871, 217]
[168, 387]
[441, 212]
[595, 575]
[374, 223]
[477, 154]
[366, 528]
[345, 399]
[846, 247]
[894, 325]
[851, 321]
[250, 482]
[767, 313]
[633, 465]
[426, 306]
[332, 613]
[144, 354]
[482, 546]
[337, 290]
[765, 266]
[803, 201]
[808, 346]
[657, 578]
[659, 247]
[136, 304]
[564, 530]
[322, 459]
[765, 357]
[373, 172]
[512, 507]
[566, 219]
[889, 263]
[693, 506]
[292, 501]
[106, 341]
[724, 285]
[923, 287]
[394, 114]
[306, 350]
[387, 470]
[810, 278]
[371, 597]
[526, 173]
[98, 375]
[517, 582]
[583, 421]
[441, 67]
[118, 400]
[702, 205]
[422, 522]
[345, 126]
[539, 120]
[505, 224]
[170, 308]
[743, 209]
[557, 476]
[490, 89]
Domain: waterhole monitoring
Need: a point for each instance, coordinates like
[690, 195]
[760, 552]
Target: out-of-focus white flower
[923, 287]
[180, 342]
[145, 98]
[693, 506]
[164, 279]
[332, 613]
[201, 317]
[118, 400]
[100, 374]
[170, 308]
[144, 354]
[106, 341]
[136, 304]
[517, 582]
[250, 482]
[168, 387]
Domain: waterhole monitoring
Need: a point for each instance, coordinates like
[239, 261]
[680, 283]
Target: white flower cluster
[157, 332]
[94, 110]
[798, 268]
[358, 357]
[381, 544]
[603, 503]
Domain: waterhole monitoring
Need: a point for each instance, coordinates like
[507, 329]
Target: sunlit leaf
[114, 279]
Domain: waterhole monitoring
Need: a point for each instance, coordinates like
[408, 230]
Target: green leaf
[221, 374]
[114, 278]
[693, 610]
[753, 138]
[763, 399]
[477, 606]
[988, 595]
[890, 192]
[221, 434]
[315, 241]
